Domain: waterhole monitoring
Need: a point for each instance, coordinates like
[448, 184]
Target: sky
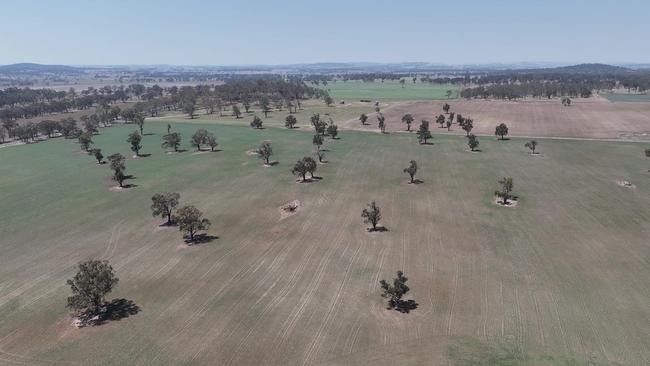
[269, 32]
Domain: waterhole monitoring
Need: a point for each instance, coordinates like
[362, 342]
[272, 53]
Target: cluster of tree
[575, 81]
[304, 166]
[202, 138]
[189, 219]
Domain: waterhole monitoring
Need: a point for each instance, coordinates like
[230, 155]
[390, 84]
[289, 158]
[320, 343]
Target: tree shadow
[417, 181]
[181, 150]
[201, 239]
[148, 134]
[476, 150]
[405, 306]
[308, 180]
[128, 185]
[504, 139]
[426, 143]
[143, 155]
[378, 229]
[272, 163]
[118, 309]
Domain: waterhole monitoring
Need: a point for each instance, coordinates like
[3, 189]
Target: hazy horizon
[201, 32]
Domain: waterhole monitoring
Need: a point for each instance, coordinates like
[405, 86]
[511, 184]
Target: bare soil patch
[586, 118]
[512, 203]
[289, 209]
[625, 183]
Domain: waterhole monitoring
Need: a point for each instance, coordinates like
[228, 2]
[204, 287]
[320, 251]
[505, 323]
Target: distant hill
[591, 69]
[31, 68]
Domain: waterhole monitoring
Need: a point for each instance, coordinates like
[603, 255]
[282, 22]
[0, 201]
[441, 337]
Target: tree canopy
[90, 285]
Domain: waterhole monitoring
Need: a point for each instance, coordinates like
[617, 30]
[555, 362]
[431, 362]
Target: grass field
[562, 279]
[353, 91]
[621, 97]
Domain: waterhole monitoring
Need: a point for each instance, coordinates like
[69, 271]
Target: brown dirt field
[588, 118]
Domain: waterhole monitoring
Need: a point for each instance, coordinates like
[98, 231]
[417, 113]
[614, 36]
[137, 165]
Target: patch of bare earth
[625, 183]
[585, 118]
[289, 209]
[511, 202]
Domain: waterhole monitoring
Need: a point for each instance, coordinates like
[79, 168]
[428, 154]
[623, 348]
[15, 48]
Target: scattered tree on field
[265, 151]
[446, 107]
[247, 105]
[402, 82]
[647, 153]
[97, 153]
[317, 140]
[395, 292]
[290, 121]
[532, 145]
[371, 215]
[472, 142]
[328, 100]
[135, 139]
[169, 128]
[190, 221]
[118, 166]
[411, 170]
[236, 112]
[441, 120]
[304, 166]
[448, 93]
[90, 285]
[408, 119]
[501, 131]
[566, 101]
[266, 106]
[320, 154]
[382, 122]
[506, 189]
[189, 107]
[467, 125]
[300, 169]
[85, 140]
[257, 123]
[320, 126]
[199, 138]
[91, 125]
[211, 141]
[163, 205]
[172, 140]
[139, 120]
[423, 132]
[363, 118]
[332, 130]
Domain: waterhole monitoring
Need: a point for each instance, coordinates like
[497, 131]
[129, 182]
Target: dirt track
[592, 118]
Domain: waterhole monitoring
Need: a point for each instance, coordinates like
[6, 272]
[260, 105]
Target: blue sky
[203, 32]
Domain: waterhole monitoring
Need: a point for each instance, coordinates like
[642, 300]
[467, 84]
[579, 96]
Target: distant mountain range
[31, 68]
[324, 67]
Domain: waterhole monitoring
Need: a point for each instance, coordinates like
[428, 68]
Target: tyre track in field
[276, 265]
[305, 301]
[316, 344]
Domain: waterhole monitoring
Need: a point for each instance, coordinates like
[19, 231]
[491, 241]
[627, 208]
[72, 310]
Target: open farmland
[562, 279]
[389, 90]
[588, 118]
[626, 97]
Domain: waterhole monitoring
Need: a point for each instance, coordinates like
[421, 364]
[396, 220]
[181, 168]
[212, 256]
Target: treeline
[549, 84]
[23, 103]
[535, 89]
